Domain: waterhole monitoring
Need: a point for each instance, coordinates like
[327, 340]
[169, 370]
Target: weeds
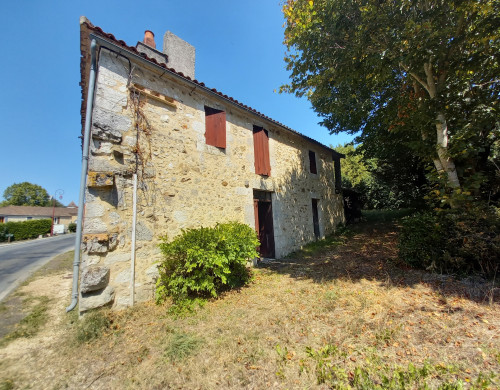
[332, 368]
[92, 326]
[386, 335]
[6, 384]
[182, 345]
[32, 323]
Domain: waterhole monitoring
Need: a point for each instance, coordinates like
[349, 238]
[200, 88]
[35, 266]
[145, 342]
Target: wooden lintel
[154, 95]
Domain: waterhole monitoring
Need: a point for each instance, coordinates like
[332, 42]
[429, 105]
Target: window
[29, 218]
[261, 151]
[215, 127]
[1, 219]
[312, 162]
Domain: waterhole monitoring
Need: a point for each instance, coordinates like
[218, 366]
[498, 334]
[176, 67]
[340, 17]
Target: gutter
[83, 176]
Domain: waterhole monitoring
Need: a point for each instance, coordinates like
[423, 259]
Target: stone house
[198, 157]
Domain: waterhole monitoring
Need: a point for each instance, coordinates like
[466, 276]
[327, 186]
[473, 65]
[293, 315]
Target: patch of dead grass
[351, 298]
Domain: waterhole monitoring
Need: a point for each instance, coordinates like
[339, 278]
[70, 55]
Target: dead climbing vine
[143, 153]
[142, 147]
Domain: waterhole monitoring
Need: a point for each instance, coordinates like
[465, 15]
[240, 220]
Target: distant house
[62, 215]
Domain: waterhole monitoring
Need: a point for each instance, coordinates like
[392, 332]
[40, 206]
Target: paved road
[20, 259]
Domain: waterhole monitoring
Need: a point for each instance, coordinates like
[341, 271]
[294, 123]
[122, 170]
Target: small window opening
[312, 162]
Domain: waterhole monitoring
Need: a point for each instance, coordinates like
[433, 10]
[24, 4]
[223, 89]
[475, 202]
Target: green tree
[381, 184]
[26, 194]
[423, 75]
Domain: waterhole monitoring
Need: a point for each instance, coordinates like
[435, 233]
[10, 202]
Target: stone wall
[183, 183]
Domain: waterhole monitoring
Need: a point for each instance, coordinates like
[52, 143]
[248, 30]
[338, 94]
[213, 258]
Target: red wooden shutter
[261, 151]
[215, 127]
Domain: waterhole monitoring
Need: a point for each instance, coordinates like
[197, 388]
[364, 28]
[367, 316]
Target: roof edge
[110, 39]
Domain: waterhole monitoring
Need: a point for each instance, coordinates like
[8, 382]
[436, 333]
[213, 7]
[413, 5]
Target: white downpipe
[132, 250]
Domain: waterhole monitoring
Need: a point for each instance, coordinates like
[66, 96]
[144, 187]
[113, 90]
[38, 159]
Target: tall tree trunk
[446, 164]
[443, 162]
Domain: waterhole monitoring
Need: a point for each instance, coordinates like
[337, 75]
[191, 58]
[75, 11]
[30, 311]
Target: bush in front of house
[203, 262]
[25, 230]
[461, 241]
[72, 227]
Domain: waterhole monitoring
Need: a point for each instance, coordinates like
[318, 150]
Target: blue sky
[239, 51]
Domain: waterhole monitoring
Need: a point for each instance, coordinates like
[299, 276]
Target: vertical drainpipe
[83, 177]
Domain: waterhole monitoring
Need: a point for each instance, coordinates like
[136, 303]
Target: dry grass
[302, 321]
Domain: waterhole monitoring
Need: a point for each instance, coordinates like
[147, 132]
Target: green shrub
[200, 263]
[72, 227]
[453, 240]
[25, 230]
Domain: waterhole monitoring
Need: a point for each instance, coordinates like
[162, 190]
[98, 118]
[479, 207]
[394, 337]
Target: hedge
[25, 230]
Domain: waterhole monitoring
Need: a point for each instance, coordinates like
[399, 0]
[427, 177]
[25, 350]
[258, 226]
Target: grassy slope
[345, 314]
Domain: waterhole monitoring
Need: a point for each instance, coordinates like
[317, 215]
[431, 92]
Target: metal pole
[132, 251]
[53, 213]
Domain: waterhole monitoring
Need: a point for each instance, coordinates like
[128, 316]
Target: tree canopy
[414, 77]
[379, 183]
[27, 194]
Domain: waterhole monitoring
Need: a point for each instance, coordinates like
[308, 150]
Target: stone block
[94, 278]
[113, 241]
[94, 210]
[95, 299]
[94, 226]
[123, 277]
[110, 99]
[152, 272]
[88, 260]
[142, 232]
[101, 148]
[116, 258]
[96, 243]
[108, 126]
[100, 179]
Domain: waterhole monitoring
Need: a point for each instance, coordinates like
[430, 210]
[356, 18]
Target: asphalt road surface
[19, 260]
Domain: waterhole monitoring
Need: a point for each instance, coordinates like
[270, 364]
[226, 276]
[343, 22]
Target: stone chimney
[181, 55]
[148, 47]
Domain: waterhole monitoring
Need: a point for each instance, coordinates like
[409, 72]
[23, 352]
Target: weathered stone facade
[153, 124]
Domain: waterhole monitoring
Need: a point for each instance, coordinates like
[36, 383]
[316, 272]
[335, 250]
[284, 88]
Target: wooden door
[264, 226]
[315, 218]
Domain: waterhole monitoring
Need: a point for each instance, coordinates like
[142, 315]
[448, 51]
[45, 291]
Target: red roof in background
[85, 66]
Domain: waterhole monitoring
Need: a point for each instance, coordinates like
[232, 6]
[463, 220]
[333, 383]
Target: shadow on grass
[368, 250]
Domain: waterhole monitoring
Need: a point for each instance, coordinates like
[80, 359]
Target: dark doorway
[264, 222]
[315, 218]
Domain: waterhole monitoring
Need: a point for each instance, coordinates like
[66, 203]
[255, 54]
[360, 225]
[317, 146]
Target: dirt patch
[306, 322]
